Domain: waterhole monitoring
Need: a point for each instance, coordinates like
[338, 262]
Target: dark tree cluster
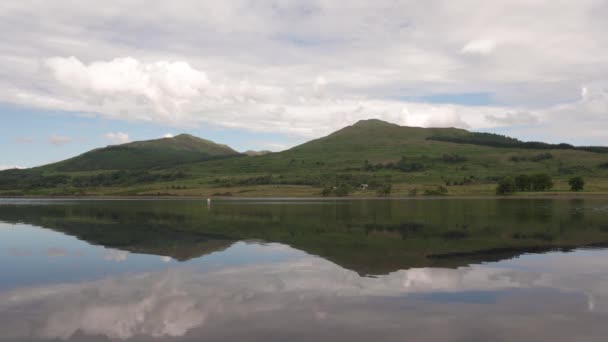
[497, 140]
[453, 158]
[467, 180]
[571, 170]
[537, 182]
[402, 165]
[576, 183]
[124, 178]
[535, 158]
[34, 179]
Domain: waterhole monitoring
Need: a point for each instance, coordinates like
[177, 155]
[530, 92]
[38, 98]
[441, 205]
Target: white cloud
[59, 140]
[306, 69]
[9, 167]
[168, 135]
[180, 301]
[115, 255]
[117, 138]
[166, 259]
[481, 47]
[273, 146]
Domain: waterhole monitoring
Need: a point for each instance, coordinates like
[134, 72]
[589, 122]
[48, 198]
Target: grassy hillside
[408, 160]
[163, 152]
[463, 168]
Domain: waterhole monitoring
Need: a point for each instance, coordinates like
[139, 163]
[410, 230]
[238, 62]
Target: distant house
[363, 186]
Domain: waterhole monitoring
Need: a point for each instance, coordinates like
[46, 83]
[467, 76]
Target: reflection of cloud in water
[19, 252]
[115, 255]
[56, 252]
[175, 302]
[166, 259]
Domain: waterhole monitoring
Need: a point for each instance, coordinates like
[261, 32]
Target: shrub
[404, 166]
[343, 190]
[453, 158]
[542, 156]
[535, 158]
[439, 191]
[385, 189]
[576, 183]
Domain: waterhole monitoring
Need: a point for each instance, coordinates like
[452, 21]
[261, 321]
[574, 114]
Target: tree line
[34, 179]
[533, 183]
[498, 140]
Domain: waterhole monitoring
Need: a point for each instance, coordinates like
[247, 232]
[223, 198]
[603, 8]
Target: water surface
[415, 270]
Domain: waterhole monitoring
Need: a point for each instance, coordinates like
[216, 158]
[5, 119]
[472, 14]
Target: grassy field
[370, 152]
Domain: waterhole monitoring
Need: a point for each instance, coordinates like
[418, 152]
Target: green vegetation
[137, 155]
[525, 183]
[370, 237]
[407, 160]
[506, 186]
[576, 183]
[439, 191]
[497, 140]
[534, 158]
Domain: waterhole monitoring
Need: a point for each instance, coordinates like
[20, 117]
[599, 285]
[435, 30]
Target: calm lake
[306, 270]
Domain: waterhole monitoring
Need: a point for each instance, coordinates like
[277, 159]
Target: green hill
[163, 152]
[387, 157]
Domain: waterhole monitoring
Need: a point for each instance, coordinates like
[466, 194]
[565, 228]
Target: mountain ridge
[372, 152]
[144, 154]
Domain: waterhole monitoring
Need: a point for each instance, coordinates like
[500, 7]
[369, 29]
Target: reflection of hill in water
[370, 237]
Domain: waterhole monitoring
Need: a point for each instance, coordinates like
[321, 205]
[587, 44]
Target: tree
[506, 186]
[541, 182]
[523, 183]
[576, 183]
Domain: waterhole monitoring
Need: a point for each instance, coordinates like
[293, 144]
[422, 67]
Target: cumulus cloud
[163, 85]
[307, 69]
[168, 135]
[117, 138]
[59, 140]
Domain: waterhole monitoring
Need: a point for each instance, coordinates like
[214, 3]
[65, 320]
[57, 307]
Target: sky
[273, 74]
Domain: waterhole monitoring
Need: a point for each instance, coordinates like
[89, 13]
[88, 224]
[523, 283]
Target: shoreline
[310, 198]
